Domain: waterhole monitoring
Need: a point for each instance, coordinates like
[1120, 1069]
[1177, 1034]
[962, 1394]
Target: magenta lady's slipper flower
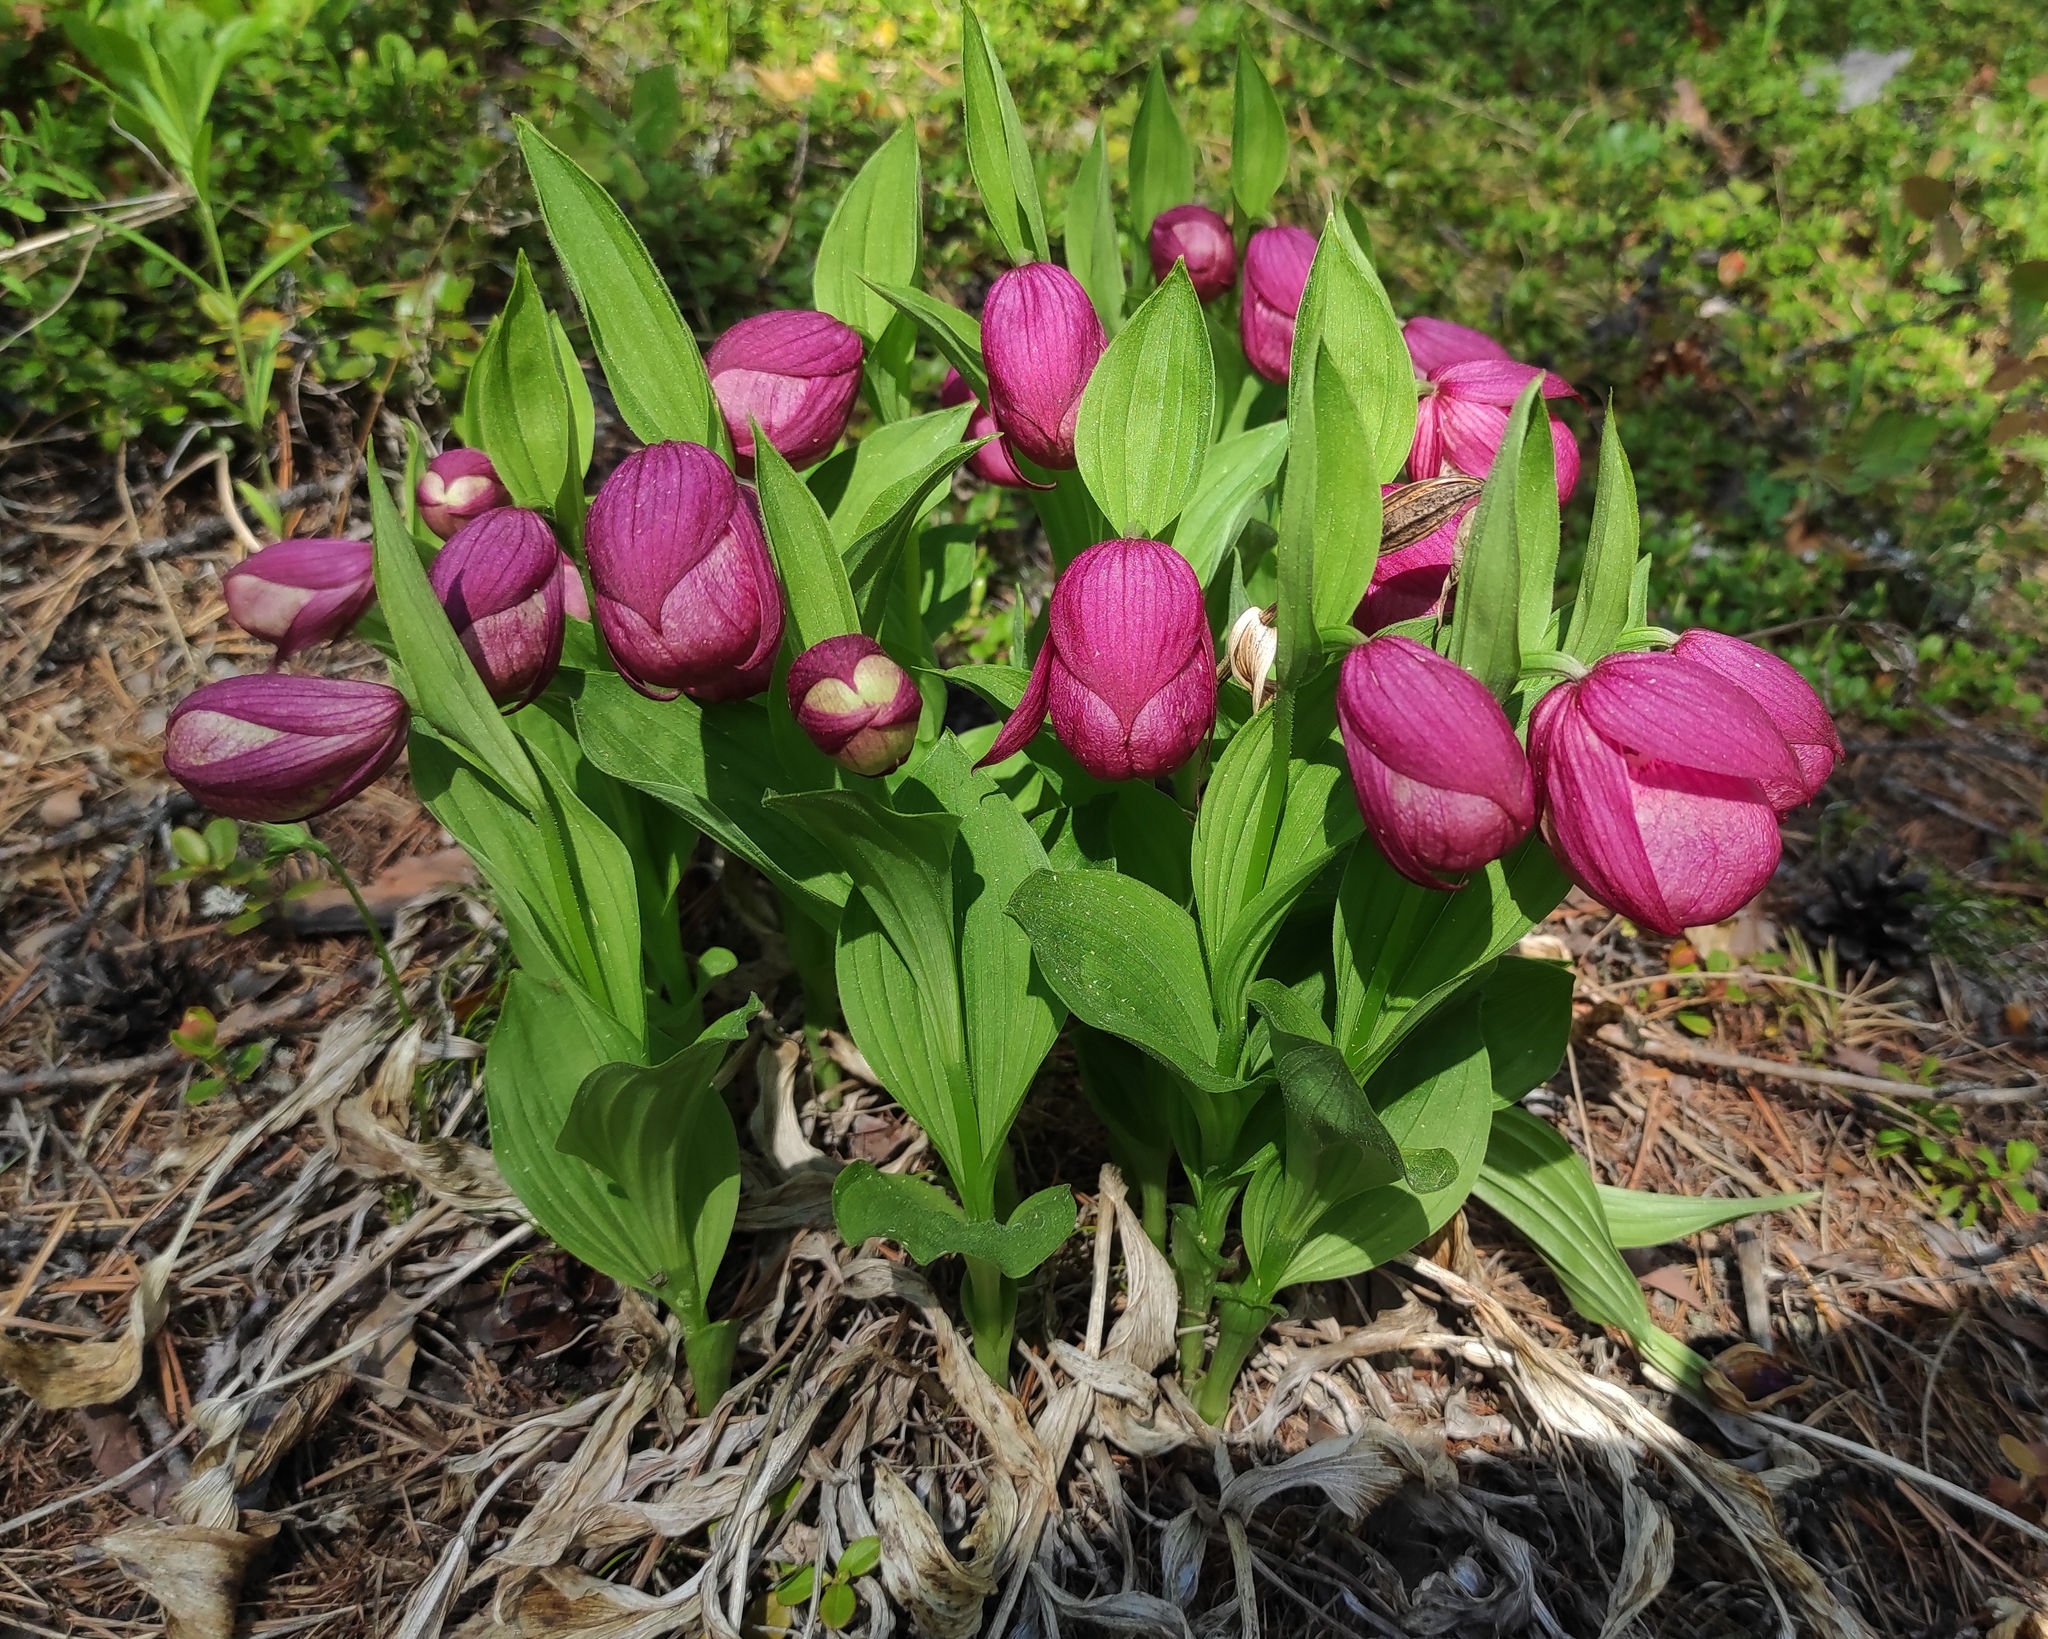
[1040, 339]
[795, 372]
[457, 486]
[992, 461]
[1655, 774]
[857, 705]
[575, 596]
[300, 593]
[1127, 669]
[1468, 386]
[1787, 698]
[1441, 779]
[686, 594]
[277, 748]
[1276, 264]
[1198, 236]
[500, 579]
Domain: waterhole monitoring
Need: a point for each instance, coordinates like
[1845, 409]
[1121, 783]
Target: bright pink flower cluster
[1659, 778]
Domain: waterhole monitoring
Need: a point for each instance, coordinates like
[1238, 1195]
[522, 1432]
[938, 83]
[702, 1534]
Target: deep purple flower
[1654, 773]
[794, 371]
[1468, 386]
[1127, 669]
[500, 579]
[1787, 698]
[686, 594]
[273, 747]
[1276, 264]
[857, 705]
[457, 486]
[1441, 779]
[1198, 236]
[1040, 339]
[991, 461]
[300, 593]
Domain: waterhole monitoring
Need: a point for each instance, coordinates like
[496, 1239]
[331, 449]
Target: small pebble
[59, 809]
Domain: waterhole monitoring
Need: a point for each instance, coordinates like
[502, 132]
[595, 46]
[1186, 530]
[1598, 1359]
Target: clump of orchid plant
[1281, 918]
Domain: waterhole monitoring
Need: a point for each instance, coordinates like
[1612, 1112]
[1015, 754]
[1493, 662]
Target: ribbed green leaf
[956, 335]
[1601, 612]
[1641, 1217]
[523, 412]
[1486, 620]
[875, 237]
[813, 574]
[1236, 474]
[1528, 1021]
[1145, 415]
[1258, 136]
[1093, 254]
[997, 151]
[926, 1223]
[648, 356]
[1536, 530]
[1162, 162]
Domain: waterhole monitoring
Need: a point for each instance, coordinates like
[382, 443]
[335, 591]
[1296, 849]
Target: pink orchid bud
[1441, 779]
[794, 371]
[992, 461]
[1468, 386]
[1127, 669]
[575, 596]
[1198, 236]
[457, 486]
[276, 748]
[500, 579]
[858, 706]
[686, 594]
[1787, 698]
[1276, 264]
[300, 593]
[1040, 339]
[1413, 580]
[1654, 773]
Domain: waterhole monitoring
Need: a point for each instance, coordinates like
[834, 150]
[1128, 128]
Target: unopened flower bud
[1426, 526]
[1040, 339]
[1276, 265]
[1251, 650]
[794, 371]
[1127, 668]
[1441, 780]
[1788, 700]
[457, 486]
[856, 703]
[686, 594]
[1655, 772]
[1198, 236]
[1468, 385]
[500, 579]
[300, 593]
[276, 748]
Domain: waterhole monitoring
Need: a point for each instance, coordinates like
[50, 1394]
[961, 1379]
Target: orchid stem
[322, 851]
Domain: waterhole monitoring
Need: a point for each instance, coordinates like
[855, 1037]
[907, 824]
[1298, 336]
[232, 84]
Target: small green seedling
[198, 1037]
[837, 1603]
[1967, 1181]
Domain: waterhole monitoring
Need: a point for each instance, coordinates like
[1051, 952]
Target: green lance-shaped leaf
[928, 1224]
[875, 237]
[665, 1139]
[1486, 621]
[891, 519]
[1536, 530]
[1536, 1181]
[800, 536]
[1162, 161]
[1600, 613]
[582, 408]
[648, 355]
[1357, 322]
[1528, 1023]
[439, 676]
[997, 151]
[1126, 959]
[1144, 423]
[1641, 1217]
[1093, 254]
[1258, 137]
[1236, 473]
[861, 487]
[956, 335]
[522, 409]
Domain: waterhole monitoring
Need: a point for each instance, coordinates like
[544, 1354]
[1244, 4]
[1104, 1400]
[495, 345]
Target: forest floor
[421, 1409]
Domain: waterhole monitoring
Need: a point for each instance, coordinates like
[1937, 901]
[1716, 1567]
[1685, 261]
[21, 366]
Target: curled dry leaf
[58, 1374]
[1348, 1469]
[193, 1573]
[1646, 1558]
[942, 1596]
[562, 1602]
[1130, 1611]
